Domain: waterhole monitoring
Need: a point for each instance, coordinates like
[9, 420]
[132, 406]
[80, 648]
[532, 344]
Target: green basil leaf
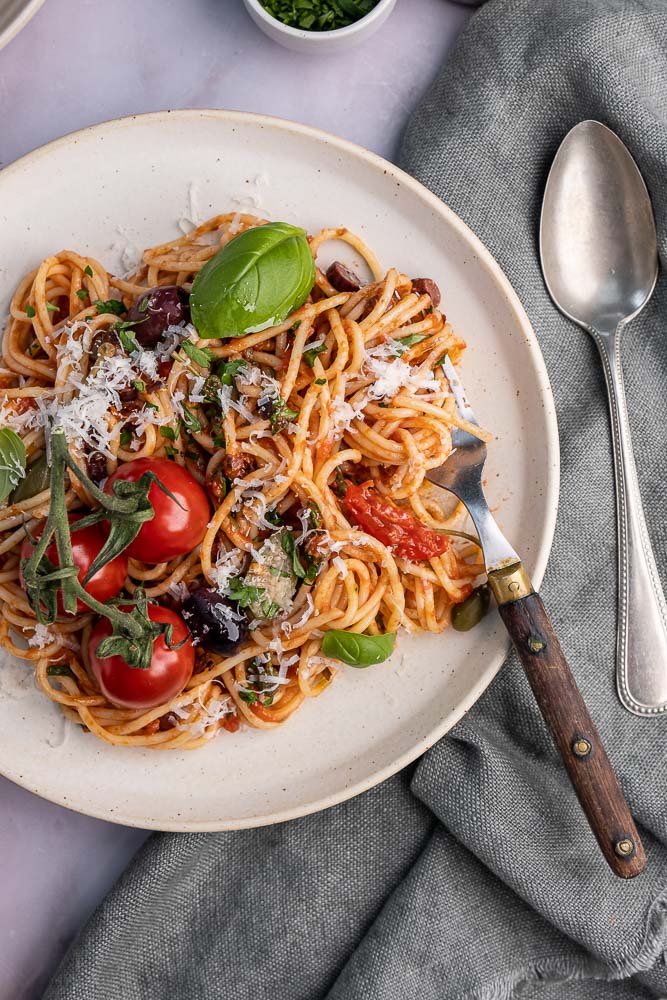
[358, 650]
[36, 480]
[254, 282]
[12, 462]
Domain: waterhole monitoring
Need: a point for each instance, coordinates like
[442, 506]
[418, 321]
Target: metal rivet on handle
[624, 848]
[581, 747]
[536, 645]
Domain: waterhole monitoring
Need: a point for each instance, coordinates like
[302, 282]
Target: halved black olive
[214, 621]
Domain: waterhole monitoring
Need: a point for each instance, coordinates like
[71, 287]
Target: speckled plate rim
[19, 21]
[551, 463]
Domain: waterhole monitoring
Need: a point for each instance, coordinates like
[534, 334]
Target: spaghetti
[363, 400]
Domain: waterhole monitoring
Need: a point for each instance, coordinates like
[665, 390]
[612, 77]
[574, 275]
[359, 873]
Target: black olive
[214, 621]
[342, 278]
[155, 310]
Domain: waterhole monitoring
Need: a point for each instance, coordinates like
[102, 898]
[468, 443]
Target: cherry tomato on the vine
[86, 544]
[131, 687]
[179, 525]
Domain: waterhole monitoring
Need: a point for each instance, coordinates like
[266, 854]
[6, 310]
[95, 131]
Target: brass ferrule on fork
[510, 583]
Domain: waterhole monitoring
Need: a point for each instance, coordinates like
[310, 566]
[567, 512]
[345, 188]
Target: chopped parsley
[190, 421]
[139, 385]
[127, 338]
[320, 381]
[58, 670]
[306, 572]
[83, 294]
[30, 312]
[169, 433]
[114, 306]
[226, 370]
[280, 414]
[201, 356]
[88, 270]
[125, 437]
[310, 355]
[401, 346]
[248, 696]
[52, 307]
[318, 15]
[244, 596]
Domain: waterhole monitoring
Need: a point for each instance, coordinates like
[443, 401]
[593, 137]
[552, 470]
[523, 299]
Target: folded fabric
[474, 875]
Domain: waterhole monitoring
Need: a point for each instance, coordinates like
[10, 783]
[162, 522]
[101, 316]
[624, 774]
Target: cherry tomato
[169, 672]
[392, 525]
[177, 527]
[86, 544]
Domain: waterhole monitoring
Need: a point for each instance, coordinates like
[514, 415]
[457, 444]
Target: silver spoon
[600, 263]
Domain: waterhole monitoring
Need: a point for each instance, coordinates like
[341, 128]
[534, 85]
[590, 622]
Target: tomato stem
[133, 633]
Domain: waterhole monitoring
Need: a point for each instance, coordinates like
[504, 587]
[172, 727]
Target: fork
[532, 633]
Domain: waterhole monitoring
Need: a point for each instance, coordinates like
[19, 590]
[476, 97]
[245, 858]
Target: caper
[35, 481]
[470, 612]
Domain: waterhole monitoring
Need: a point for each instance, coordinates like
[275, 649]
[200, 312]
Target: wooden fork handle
[572, 728]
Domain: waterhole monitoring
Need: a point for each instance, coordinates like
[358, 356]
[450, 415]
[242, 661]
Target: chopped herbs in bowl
[318, 15]
[319, 25]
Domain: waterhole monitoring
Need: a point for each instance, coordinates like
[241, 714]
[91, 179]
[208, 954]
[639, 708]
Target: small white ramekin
[314, 42]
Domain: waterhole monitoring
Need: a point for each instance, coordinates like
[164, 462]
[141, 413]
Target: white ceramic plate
[14, 15]
[127, 183]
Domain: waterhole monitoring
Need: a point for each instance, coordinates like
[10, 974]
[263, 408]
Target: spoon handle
[641, 643]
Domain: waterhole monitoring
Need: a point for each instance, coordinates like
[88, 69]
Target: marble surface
[82, 61]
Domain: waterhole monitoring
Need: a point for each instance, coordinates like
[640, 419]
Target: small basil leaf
[254, 282]
[36, 480]
[12, 462]
[358, 650]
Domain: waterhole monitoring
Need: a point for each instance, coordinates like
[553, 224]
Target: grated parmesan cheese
[227, 565]
[392, 376]
[41, 637]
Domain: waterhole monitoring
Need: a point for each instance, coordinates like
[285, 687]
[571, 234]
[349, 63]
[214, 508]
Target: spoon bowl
[599, 254]
[597, 235]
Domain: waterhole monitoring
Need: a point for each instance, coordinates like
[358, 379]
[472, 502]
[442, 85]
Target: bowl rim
[540, 557]
[19, 21]
[307, 33]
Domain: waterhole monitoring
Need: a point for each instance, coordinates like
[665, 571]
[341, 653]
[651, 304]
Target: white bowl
[319, 41]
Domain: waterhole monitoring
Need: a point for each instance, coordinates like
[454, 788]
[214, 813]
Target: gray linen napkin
[473, 875]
